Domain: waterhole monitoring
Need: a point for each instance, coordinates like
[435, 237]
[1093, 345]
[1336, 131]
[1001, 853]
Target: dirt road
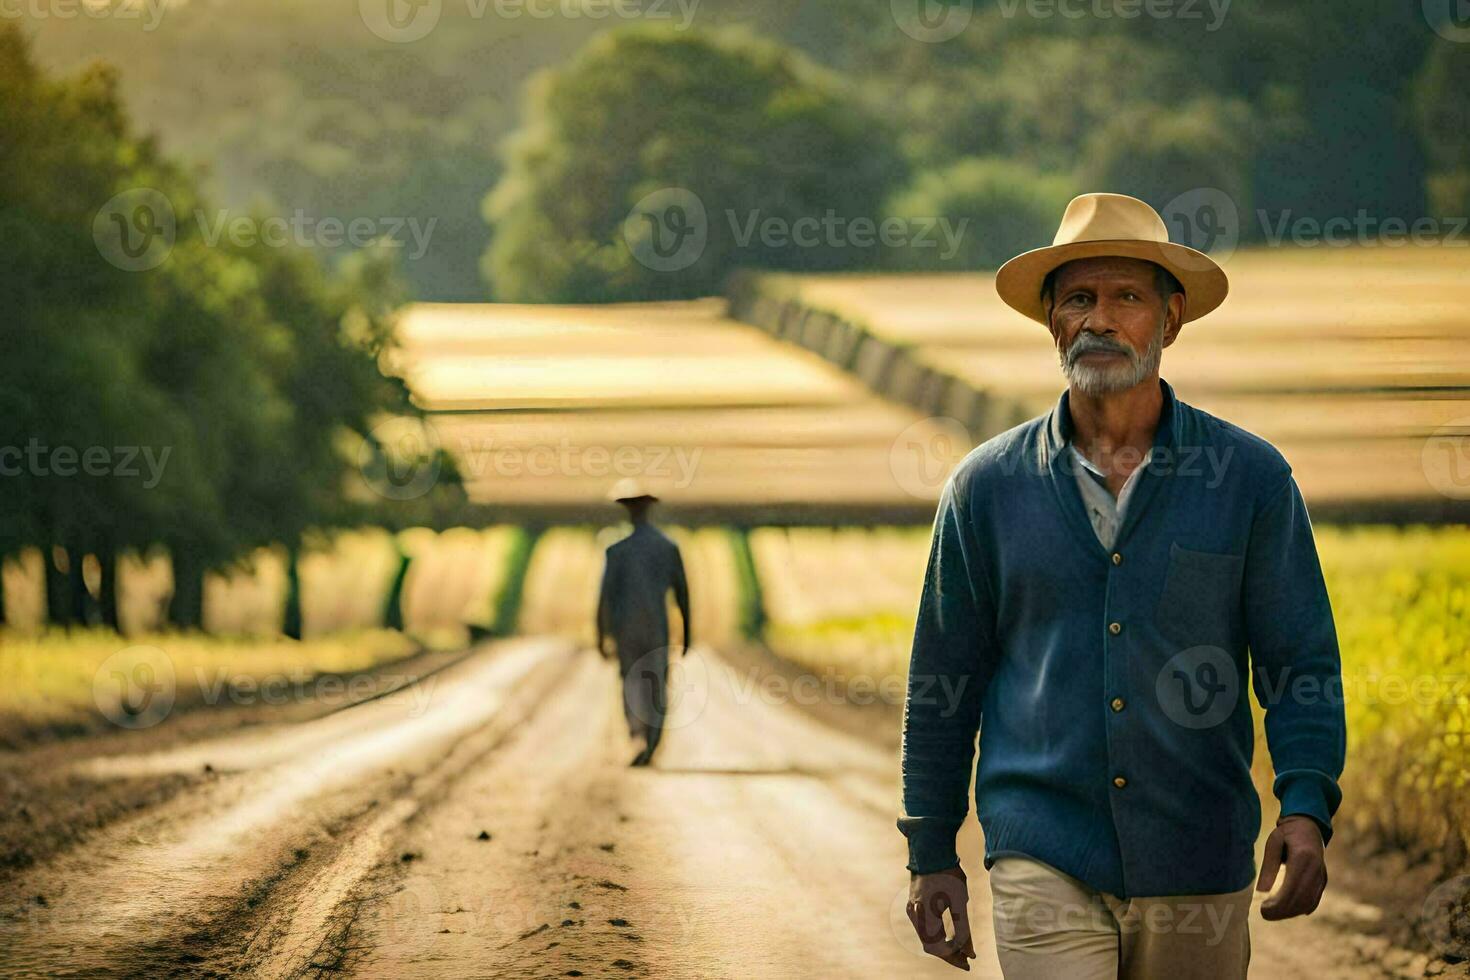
[484, 823]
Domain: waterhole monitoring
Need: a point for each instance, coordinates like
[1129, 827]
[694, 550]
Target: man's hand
[1297, 840]
[929, 896]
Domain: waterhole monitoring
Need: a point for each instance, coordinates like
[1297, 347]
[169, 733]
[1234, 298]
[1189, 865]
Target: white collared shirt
[1105, 513]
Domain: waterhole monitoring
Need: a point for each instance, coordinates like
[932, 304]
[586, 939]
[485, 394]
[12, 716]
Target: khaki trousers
[1049, 925]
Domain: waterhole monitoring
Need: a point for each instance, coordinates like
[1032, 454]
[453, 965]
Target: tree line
[1321, 107]
[206, 406]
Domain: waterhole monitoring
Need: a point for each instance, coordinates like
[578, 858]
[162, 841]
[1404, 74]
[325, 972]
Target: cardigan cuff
[1310, 794]
[931, 844]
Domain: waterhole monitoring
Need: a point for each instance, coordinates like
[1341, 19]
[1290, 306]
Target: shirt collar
[1059, 426]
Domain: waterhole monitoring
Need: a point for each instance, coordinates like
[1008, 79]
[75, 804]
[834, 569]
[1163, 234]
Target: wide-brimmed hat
[1097, 225]
[628, 489]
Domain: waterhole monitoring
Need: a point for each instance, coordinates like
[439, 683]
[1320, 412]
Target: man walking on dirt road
[631, 611]
[1106, 584]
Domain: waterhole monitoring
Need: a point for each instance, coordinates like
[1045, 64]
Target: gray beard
[1104, 379]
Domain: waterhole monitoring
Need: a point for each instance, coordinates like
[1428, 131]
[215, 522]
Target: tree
[725, 130]
[241, 370]
[1442, 113]
[997, 208]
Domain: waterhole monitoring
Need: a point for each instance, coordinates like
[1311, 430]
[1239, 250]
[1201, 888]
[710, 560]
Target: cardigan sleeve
[1295, 663]
[950, 665]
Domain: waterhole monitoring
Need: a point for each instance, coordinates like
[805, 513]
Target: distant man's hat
[1098, 225]
[628, 489]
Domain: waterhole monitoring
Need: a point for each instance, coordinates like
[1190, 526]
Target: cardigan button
[1115, 628]
[1116, 704]
[1119, 782]
[1117, 558]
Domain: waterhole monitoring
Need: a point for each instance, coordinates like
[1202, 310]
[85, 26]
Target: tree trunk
[58, 608]
[186, 607]
[393, 608]
[83, 606]
[292, 620]
[107, 590]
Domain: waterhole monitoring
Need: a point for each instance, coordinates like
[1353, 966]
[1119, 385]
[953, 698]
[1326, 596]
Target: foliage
[997, 207]
[1443, 116]
[1402, 607]
[751, 129]
[50, 677]
[312, 112]
[238, 368]
[752, 612]
[507, 602]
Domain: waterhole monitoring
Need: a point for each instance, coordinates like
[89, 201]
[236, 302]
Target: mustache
[1091, 343]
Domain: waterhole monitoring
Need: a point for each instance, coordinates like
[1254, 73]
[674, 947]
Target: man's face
[1111, 323]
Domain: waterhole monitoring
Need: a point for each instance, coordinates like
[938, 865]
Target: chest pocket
[1200, 598]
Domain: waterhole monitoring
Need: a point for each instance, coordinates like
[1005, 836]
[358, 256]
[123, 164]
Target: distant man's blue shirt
[1110, 686]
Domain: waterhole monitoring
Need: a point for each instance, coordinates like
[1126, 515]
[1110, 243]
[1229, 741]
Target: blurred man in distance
[632, 615]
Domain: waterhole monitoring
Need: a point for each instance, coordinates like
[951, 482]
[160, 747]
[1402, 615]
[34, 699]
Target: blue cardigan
[1117, 736]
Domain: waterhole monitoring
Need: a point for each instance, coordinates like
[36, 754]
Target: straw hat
[1112, 225]
[628, 489]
